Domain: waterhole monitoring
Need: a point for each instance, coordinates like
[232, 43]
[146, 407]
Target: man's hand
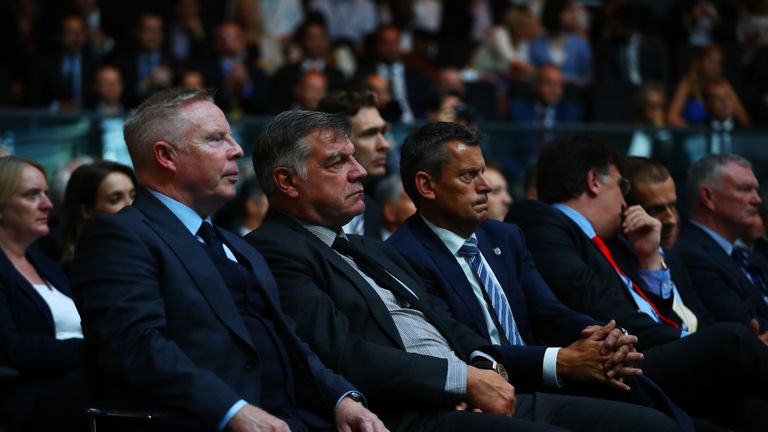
[254, 419]
[489, 392]
[754, 325]
[353, 416]
[604, 354]
[644, 234]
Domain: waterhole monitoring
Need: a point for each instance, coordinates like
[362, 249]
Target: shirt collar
[186, 215]
[450, 239]
[720, 240]
[326, 235]
[577, 217]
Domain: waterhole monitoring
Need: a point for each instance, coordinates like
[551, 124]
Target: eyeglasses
[624, 184]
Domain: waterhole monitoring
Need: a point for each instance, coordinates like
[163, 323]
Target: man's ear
[425, 184]
[165, 154]
[707, 197]
[285, 181]
[593, 182]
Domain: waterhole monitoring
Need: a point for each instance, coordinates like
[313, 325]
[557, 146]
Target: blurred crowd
[673, 63]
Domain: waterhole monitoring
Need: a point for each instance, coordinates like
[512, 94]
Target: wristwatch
[494, 366]
[356, 396]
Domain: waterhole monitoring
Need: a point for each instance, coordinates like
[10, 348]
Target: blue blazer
[49, 368]
[541, 318]
[162, 326]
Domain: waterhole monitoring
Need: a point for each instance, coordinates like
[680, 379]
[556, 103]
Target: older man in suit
[731, 280]
[363, 309]
[182, 316]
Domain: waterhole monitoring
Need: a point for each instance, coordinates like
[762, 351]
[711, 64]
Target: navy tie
[495, 293]
[753, 272]
[208, 233]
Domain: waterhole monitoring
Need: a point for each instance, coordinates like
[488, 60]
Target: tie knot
[469, 248]
[343, 246]
[741, 255]
[207, 233]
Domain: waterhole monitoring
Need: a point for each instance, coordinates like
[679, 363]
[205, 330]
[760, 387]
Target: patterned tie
[498, 299]
[607, 254]
[753, 272]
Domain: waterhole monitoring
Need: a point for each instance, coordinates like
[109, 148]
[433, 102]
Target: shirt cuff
[657, 282]
[684, 333]
[549, 368]
[231, 413]
[475, 354]
[456, 379]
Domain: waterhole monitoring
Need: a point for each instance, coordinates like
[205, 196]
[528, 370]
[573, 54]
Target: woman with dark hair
[94, 189]
[561, 45]
[40, 334]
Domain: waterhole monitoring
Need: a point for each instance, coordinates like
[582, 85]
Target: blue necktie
[495, 293]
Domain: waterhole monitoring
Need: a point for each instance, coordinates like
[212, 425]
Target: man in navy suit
[181, 316]
[442, 167]
[723, 195]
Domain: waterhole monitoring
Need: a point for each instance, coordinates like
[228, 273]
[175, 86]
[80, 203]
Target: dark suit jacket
[417, 86]
[162, 324]
[722, 285]
[50, 368]
[627, 260]
[540, 317]
[580, 275]
[349, 326]
[48, 84]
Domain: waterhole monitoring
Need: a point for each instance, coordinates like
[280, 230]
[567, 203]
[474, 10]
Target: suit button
[250, 365]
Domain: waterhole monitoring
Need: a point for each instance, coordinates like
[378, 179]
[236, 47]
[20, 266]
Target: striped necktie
[498, 299]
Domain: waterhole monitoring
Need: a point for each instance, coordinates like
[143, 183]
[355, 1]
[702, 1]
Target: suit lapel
[194, 260]
[373, 301]
[731, 268]
[452, 271]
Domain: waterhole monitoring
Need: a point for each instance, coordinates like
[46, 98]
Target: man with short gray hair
[723, 196]
[182, 316]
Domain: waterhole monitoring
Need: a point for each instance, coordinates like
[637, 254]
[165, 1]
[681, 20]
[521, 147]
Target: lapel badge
[497, 251]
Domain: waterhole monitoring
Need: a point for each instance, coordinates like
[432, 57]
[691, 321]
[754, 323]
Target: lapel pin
[497, 251]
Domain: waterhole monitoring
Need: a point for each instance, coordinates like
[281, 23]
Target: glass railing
[53, 139]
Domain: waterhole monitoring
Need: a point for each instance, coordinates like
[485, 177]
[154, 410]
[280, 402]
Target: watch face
[501, 371]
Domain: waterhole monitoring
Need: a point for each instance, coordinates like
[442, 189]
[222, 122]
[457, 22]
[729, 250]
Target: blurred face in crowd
[711, 64]
[230, 40]
[115, 192]
[460, 192]
[192, 80]
[719, 101]
[315, 42]
[499, 199]
[310, 90]
[150, 33]
[659, 199]
[735, 199]
[388, 44]
[109, 85]
[653, 108]
[380, 88]
[73, 35]
[549, 85]
[24, 215]
[395, 213]
[371, 147]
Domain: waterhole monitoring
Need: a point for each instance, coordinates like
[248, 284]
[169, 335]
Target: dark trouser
[719, 372]
[544, 412]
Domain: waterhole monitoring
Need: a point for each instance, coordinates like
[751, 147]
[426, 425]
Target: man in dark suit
[437, 242]
[181, 316]
[652, 188]
[724, 195]
[372, 150]
[365, 312]
[62, 79]
[581, 188]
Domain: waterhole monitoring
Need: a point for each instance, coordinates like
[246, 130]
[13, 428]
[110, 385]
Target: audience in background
[560, 45]
[246, 212]
[506, 49]
[108, 92]
[95, 189]
[499, 199]
[309, 90]
[40, 334]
